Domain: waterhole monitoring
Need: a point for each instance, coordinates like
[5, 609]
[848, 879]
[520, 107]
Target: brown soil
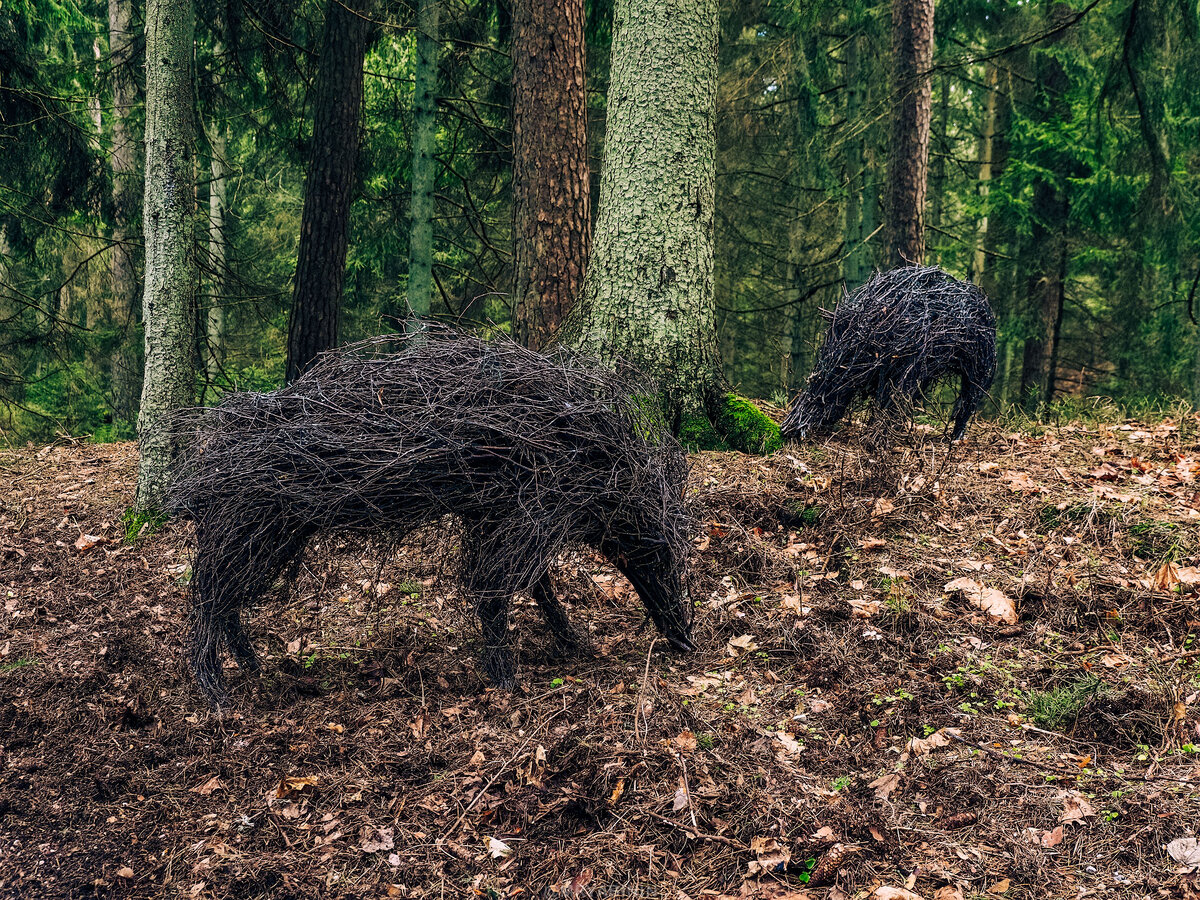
[371, 760]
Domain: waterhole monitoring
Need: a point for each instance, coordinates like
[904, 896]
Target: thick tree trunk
[424, 171]
[218, 257]
[168, 308]
[648, 293]
[123, 312]
[551, 189]
[908, 152]
[329, 184]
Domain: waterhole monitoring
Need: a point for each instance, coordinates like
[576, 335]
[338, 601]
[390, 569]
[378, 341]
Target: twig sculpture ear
[893, 338]
[529, 454]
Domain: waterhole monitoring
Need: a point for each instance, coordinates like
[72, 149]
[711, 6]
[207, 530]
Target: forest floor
[966, 672]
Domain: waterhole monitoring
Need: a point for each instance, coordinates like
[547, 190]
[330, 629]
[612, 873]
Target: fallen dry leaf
[375, 840]
[895, 893]
[1166, 578]
[885, 784]
[742, 644]
[995, 603]
[208, 787]
[770, 856]
[681, 797]
[1185, 851]
[497, 848]
[86, 542]
[882, 507]
[295, 785]
[922, 746]
[1075, 807]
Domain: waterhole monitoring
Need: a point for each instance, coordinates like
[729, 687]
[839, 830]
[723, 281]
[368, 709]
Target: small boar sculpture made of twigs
[892, 338]
[526, 454]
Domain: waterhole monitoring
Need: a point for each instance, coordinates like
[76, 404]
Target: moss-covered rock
[747, 428]
[697, 433]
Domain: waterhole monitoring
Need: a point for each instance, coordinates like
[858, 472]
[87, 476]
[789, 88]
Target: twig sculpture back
[890, 340]
[528, 454]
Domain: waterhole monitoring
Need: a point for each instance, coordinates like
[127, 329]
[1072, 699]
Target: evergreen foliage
[802, 121]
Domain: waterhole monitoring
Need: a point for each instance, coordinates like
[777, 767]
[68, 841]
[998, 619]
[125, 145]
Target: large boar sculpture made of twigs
[525, 454]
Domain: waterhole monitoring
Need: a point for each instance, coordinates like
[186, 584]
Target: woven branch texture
[524, 454]
[890, 340]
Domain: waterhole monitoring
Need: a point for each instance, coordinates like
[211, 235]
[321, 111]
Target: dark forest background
[1062, 177]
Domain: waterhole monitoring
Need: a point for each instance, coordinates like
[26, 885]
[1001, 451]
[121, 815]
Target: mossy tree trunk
[168, 306]
[218, 258]
[1048, 252]
[648, 293]
[420, 247]
[122, 315]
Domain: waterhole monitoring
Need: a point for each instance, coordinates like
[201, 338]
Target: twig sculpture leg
[566, 636]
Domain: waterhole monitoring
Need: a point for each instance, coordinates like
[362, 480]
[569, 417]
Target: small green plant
[411, 588]
[806, 869]
[840, 783]
[557, 683]
[141, 524]
[1060, 706]
[799, 514]
[1160, 541]
[15, 664]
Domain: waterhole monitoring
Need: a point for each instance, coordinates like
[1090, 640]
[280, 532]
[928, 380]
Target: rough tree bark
[648, 293]
[908, 150]
[218, 257]
[168, 306]
[123, 311]
[551, 189]
[420, 247]
[329, 184]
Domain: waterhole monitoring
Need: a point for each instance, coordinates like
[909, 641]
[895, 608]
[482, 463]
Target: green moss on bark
[745, 427]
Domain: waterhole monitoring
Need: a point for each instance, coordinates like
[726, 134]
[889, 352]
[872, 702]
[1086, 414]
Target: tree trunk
[123, 311]
[857, 264]
[1048, 240]
[999, 277]
[168, 308]
[550, 188]
[329, 184]
[939, 166]
[420, 248]
[908, 152]
[648, 293]
[218, 257]
[987, 148]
